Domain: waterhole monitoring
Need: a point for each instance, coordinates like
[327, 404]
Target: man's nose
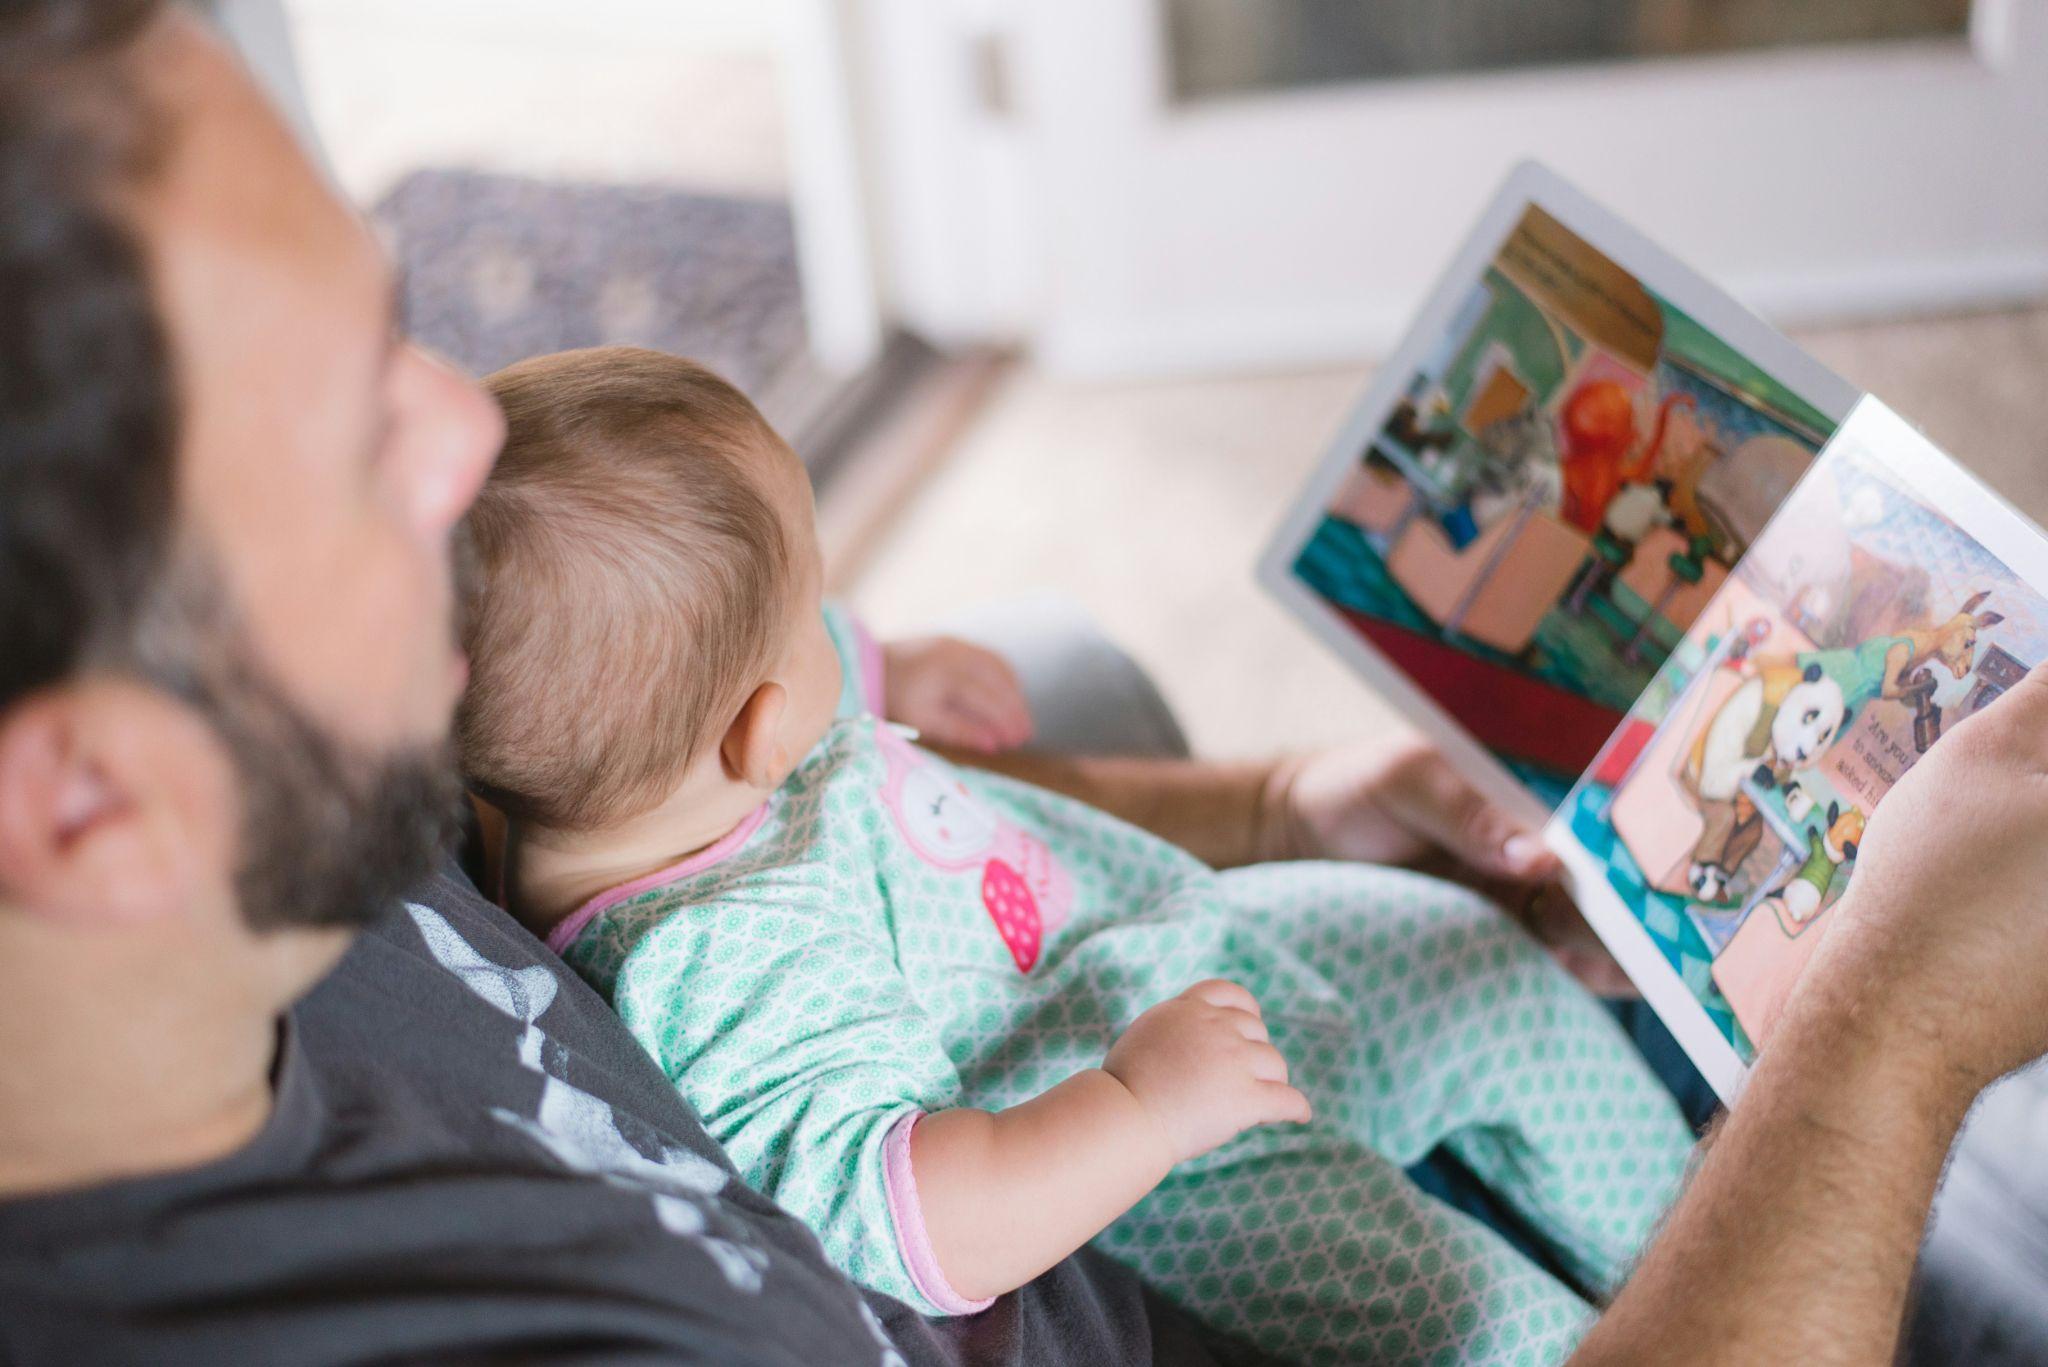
[463, 431]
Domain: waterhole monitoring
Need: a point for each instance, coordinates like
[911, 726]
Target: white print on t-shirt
[890, 1357]
[581, 1131]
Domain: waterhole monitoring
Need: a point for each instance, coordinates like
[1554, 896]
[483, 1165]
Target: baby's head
[643, 624]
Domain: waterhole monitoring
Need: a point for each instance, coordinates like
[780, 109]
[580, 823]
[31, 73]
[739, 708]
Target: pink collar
[564, 934]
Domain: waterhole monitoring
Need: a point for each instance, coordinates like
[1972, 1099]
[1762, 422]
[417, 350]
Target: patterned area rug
[498, 268]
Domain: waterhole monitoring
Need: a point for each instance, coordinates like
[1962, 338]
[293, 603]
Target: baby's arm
[954, 692]
[1007, 1194]
[780, 1011]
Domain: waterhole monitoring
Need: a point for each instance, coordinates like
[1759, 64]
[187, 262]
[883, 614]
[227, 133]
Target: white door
[1203, 193]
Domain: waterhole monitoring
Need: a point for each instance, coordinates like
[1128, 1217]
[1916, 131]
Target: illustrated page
[1890, 599]
[1555, 479]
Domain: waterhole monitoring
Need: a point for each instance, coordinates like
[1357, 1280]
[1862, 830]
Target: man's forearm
[1225, 814]
[1795, 1241]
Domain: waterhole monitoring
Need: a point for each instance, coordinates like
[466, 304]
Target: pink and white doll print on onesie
[1025, 890]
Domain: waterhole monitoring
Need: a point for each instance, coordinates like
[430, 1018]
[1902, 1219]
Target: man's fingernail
[1520, 851]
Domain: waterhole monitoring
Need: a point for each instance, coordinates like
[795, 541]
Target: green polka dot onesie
[889, 936]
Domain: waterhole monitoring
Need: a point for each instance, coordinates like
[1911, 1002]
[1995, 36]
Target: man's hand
[1405, 804]
[1395, 804]
[1796, 1237]
[1946, 918]
[954, 693]
[1202, 1064]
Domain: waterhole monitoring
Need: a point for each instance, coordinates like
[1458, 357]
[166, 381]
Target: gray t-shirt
[470, 1160]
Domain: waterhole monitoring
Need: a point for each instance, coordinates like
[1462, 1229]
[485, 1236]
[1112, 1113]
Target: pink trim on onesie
[564, 935]
[870, 664]
[911, 1236]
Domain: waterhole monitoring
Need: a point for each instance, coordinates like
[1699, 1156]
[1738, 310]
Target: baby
[962, 1026]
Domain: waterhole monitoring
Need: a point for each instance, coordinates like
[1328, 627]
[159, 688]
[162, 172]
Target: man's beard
[331, 832]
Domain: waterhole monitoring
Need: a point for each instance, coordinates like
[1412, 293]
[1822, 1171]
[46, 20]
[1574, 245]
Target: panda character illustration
[1780, 720]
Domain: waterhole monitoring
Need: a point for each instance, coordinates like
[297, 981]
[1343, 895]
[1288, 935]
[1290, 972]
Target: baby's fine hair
[628, 583]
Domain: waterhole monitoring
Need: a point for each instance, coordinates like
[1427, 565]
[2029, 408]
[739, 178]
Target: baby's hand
[1203, 1065]
[954, 693]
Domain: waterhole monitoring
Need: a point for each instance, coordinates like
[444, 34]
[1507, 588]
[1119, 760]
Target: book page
[1546, 486]
[1890, 599]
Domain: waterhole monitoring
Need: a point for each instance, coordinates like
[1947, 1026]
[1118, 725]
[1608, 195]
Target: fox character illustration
[1827, 851]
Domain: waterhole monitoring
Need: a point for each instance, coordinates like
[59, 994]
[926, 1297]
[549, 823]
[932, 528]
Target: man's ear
[116, 806]
[752, 750]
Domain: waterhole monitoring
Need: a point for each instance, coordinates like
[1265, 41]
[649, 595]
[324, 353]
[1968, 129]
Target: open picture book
[1663, 586]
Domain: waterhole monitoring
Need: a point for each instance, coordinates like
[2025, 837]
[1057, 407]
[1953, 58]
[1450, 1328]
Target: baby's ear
[752, 751]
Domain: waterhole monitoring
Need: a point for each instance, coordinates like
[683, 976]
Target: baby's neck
[549, 873]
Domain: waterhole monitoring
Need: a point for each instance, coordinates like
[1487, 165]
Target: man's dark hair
[87, 396]
[94, 573]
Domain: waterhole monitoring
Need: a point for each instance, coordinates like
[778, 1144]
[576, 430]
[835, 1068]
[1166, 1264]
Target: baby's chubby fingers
[1265, 1062]
[990, 686]
[955, 692]
[1203, 1064]
[1281, 1104]
[985, 720]
[1225, 993]
[961, 723]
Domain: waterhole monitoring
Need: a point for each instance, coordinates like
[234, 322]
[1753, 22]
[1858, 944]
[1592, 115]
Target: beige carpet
[1148, 503]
